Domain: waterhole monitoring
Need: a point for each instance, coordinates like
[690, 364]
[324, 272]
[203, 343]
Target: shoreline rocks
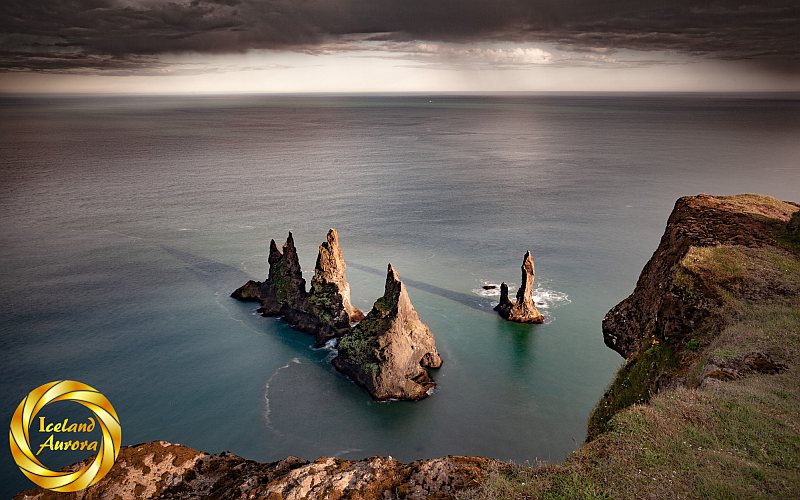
[523, 310]
[388, 352]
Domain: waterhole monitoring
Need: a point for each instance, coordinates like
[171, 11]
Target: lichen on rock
[161, 470]
[388, 352]
[329, 297]
[325, 311]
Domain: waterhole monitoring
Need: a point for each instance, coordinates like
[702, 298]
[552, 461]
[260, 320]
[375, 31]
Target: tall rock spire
[523, 310]
[330, 292]
[388, 351]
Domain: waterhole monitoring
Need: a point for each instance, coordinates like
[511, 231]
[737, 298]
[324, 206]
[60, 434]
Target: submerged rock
[388, 351]
[329, 297]
[523, 310]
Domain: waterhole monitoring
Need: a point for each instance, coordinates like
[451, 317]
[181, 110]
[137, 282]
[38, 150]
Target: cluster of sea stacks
[387, 351]
[523, 310]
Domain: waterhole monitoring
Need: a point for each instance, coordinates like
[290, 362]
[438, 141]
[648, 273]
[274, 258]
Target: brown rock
[388, 351]
[329, 297]
[794, 225]
[505, 304]
[161, 470]
[523, 310]
[249, 292]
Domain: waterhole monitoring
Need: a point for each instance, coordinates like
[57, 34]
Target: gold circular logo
[65, 390]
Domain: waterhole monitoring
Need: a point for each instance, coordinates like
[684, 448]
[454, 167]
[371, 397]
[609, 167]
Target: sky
[200, 46]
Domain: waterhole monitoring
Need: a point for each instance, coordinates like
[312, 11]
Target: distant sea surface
[125, 222]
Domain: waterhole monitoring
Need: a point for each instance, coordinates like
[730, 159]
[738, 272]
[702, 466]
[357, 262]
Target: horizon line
[476, 93]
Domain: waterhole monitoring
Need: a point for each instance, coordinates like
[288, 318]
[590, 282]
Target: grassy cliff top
[705, 412]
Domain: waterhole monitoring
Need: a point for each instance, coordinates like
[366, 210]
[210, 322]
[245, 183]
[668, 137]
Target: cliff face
[696, 283]
[160, 470]
[657, 307]
[388, 351]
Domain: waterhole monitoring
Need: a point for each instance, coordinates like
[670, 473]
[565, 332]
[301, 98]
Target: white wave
[546, 298]
[329, 346]
[543, 296]
[267, 409]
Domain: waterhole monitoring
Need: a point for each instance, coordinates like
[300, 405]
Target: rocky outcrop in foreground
[325, 311]
[523, 310]
[388, 352]
[161, 470]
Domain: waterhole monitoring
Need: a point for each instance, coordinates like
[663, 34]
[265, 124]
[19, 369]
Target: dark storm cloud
[124, 35]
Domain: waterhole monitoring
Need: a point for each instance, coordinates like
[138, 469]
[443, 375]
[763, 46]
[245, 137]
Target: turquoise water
[125, 222]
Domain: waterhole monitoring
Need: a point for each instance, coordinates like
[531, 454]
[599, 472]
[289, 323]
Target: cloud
[122, 35]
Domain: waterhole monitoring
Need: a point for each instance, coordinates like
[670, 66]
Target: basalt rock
[325, 311]
[329, 297]
[523, 310]
[388, 352]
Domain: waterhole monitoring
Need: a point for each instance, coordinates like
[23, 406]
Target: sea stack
[523, 310]
[389, 350]
[284, 291]
[330, 292]
[325, 311]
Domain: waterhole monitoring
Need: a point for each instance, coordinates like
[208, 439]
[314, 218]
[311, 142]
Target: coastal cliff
[704, 406]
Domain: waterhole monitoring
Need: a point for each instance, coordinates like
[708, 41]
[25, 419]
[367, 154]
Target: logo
[25, 417]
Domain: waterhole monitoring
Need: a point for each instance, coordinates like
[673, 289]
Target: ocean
[126, 221]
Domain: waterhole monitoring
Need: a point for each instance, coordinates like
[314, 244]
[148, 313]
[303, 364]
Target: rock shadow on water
[461, 298]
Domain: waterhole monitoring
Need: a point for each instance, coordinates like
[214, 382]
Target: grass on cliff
[737, 439]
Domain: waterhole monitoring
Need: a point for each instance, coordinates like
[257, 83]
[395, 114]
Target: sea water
[125, 223]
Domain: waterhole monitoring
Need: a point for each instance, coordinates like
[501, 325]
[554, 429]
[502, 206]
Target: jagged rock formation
[523, 310]
[325, 311]
[161, 470]
[330, 292]
[388, 351]
[284, 291]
